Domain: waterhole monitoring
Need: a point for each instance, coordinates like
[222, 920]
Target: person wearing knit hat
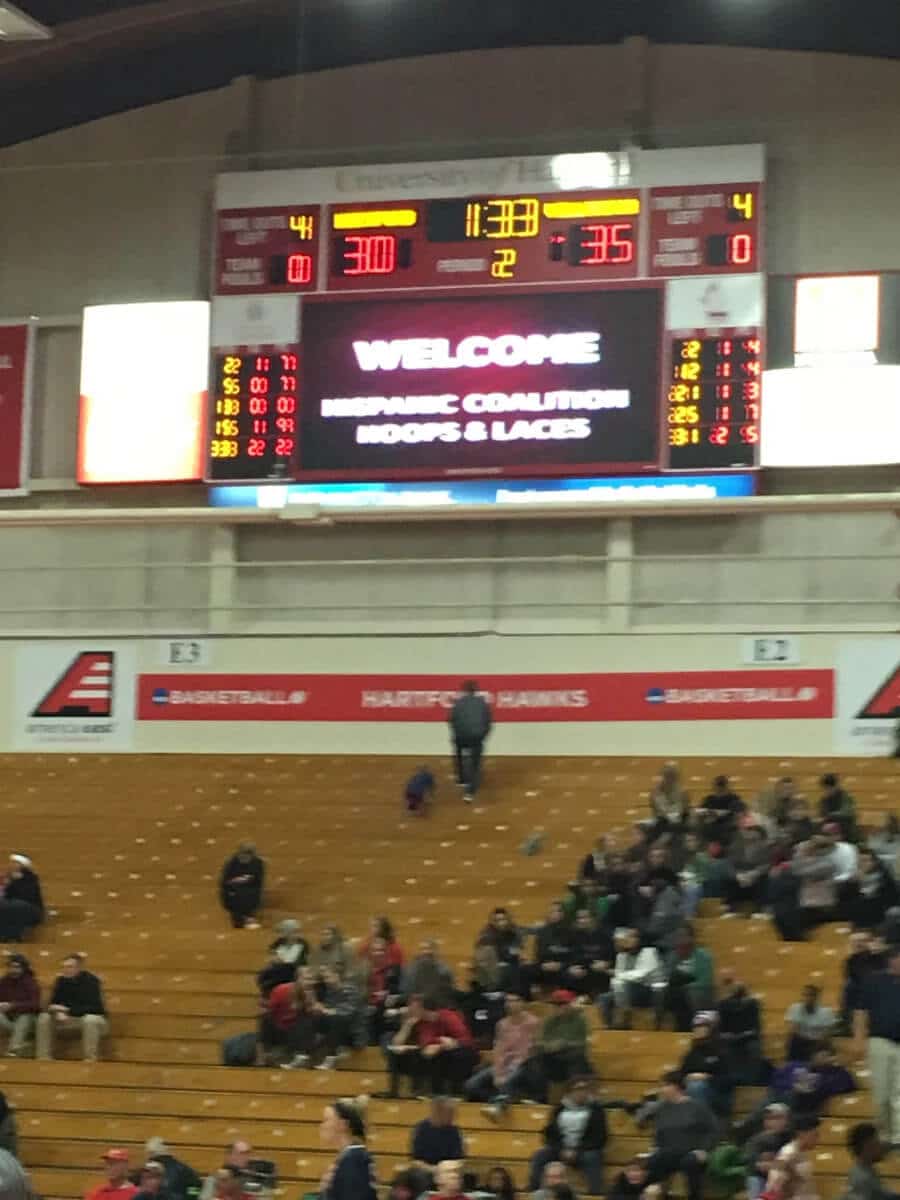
[22, 902]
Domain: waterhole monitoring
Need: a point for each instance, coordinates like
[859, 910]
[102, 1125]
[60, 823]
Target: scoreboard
[413, 322]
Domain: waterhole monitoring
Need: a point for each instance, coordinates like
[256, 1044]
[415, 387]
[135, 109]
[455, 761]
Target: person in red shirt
[288, 1022]
[383, 980]
[433, 1045]
[117, 1185]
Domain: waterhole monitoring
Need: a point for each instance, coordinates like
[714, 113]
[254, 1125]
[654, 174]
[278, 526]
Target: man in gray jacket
[470, 723]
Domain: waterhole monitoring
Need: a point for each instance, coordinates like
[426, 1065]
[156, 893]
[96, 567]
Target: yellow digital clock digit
[517, 217]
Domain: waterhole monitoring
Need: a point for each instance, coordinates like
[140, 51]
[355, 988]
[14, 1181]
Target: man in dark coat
[470, 723]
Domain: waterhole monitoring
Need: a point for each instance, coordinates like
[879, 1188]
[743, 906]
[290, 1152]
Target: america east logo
[85, 688]
[884, 703]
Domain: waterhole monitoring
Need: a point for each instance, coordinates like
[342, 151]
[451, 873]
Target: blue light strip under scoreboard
[464, 493]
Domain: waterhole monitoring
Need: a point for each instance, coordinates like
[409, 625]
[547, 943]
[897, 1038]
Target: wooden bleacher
[129, 849]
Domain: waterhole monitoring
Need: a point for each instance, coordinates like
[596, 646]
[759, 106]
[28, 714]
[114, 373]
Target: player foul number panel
[253, 430]
[713, 404]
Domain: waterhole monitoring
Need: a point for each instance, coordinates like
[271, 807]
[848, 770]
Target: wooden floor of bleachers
[129, 849]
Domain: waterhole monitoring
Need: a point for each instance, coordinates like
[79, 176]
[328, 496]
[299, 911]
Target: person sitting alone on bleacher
[22, 903]
[505, 1079]
[116, 1185]
[241, 886]
[552, 949]
[809, 1024]
[352, 1175]
[685, 1131]
[691, 985]
[591, 957]
[237, 1156]
[20, 1002]
[289, 951]
[75, 1006]
[437, 1137]
[575, 1134]
[288, 1022]
[637, 982]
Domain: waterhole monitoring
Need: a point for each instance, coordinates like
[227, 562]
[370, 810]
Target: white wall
[459, 657]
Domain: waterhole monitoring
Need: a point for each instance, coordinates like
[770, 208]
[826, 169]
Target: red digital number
[754, 367]
[284, 447]
[751, 412]
[258, 406]
[259, 385]
[289, 383]
[751, 345]
[725, 348]
[718, 435]
[723, 370]
[285, 424]
[289, 362]
[299, 268]
[724, 391]
[370, 254]
[263, 364]
[607, 244]
[260, 426]
[723, 412]
[750, 434]
[286, 404]
[739, 249]
[256, 447]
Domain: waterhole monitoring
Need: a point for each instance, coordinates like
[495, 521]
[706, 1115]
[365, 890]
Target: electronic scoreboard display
[461, 330]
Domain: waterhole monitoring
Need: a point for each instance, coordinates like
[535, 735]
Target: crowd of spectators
[620, 939]
[515, 1029]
